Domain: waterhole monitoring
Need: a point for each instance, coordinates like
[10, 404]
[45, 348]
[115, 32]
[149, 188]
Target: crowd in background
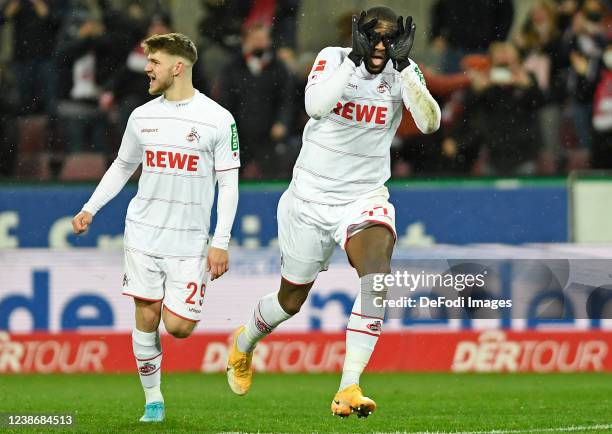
[538, 102]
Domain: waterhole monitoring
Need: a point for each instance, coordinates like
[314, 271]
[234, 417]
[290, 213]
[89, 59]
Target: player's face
[159, 70]
[378, 60]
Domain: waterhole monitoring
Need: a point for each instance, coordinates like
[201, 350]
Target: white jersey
[180, 144]
[345, 154]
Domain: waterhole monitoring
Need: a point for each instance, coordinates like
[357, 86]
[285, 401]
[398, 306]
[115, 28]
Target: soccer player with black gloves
[354, 97]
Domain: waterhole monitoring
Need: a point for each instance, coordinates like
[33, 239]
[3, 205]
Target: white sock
[362, 332]
[148, 354]
[267, 315]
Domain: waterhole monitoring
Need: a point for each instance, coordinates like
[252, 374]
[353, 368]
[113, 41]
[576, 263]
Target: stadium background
[60, 305]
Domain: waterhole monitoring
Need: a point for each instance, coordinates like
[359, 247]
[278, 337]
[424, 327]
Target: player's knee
[291, 296]
[150, 320]
[292, 305]
[180, 333]
[147, 316]
[374, 265]
[181, 330]
[292, 302]
[375, 260]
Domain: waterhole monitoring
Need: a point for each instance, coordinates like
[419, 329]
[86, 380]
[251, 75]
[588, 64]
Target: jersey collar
[181, 103]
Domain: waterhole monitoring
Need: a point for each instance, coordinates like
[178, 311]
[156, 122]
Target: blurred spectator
[284, 29]
[300, 117]
[220, 31]
[539, 41]
[417, 154]
[601, 157]
[566, 10]
[35, 27]
[127, 87]
[344, 30]
[9, 130]
[90, 50]
[222, 24]
[459, 28]
[281, 16]
[83, 124]
[501, 107]
[258, 89]
[584, 44]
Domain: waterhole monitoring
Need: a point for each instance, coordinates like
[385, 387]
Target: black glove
[398, 46]
[363, 38]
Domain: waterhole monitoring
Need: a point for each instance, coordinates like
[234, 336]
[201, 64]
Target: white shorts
[308, 232]
[179, 282]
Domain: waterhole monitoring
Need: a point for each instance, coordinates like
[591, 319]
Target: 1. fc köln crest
[193, 135]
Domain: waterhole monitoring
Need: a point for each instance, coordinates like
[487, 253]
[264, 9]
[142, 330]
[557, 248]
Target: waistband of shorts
[165, 255]
[379, 191]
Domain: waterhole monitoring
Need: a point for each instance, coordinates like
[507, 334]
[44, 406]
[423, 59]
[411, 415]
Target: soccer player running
[186, 143]
[337, 195]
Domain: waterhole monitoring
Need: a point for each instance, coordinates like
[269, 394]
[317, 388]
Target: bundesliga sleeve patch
[320, 67]
[234, 141]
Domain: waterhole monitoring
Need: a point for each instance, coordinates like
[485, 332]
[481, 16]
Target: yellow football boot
[351, 400]
[239, 369]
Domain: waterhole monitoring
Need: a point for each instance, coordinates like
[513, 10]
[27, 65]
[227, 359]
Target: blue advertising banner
[447, 213]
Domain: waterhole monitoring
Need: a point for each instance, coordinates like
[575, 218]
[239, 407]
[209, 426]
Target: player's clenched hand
[217, 262]
[81, 222]
[398, 47]
[362, 43]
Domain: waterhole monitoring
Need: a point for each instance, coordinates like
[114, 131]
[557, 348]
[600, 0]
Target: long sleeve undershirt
[110, 185]
[321, 97]
[423, 107]
[227, 203]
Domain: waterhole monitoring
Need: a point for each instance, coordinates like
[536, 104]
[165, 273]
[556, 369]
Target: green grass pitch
[300, 403]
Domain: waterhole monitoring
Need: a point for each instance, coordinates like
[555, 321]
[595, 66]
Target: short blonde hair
[176, 44]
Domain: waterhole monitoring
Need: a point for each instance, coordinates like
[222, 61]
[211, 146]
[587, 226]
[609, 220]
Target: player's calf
[292, 296]
[363, 329]
[268, 314]
[147, 350]
[370, 253]
[148, 353]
